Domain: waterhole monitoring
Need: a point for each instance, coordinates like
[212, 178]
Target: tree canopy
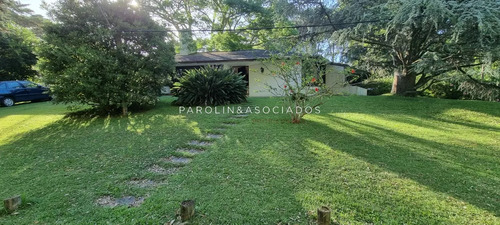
[18, 26]
[418, 40]
[90, 56]
[217, 16]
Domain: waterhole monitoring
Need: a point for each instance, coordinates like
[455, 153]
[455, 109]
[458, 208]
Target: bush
[87, 59]
[377, 86]
[444, 89]
[208, 86]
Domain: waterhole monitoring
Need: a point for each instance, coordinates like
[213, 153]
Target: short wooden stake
[324, 216]
[187, 210]
[11, 204]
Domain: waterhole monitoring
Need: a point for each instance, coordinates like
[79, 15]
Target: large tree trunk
[404, 83]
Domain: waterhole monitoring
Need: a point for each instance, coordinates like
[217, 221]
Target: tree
[218, 16]
[92, 55]
[17, 41]
[299, 80]
[16, 53]
[12, 11]
[417, 39]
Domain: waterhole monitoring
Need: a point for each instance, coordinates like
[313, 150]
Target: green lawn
[381, 160]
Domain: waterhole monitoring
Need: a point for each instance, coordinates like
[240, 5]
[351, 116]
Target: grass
[382, 160]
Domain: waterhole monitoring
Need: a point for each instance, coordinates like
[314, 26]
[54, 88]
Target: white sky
[36, 6]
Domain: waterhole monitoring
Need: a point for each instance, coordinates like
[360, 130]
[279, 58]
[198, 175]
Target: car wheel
[8, 101]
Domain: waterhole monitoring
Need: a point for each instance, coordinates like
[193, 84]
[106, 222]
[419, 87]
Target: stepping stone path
[143, 183]
[240, 116]
[229, 123]
[160, 170]
[215, 136]
[189, 151]
[129, 201]
[200, 143]
[132, 201]
[177, 160]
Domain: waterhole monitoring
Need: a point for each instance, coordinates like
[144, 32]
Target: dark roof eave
[217, 61]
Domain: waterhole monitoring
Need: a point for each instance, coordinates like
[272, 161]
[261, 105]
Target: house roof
[243, 55]
[208, 57]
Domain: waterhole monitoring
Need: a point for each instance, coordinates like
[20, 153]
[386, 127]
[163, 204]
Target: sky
[36, 6]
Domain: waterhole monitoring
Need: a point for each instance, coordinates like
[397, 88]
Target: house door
[243, 70]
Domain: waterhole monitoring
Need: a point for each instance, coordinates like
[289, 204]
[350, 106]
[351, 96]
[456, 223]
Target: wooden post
[187, 210]
[11, 204]
[324, 216]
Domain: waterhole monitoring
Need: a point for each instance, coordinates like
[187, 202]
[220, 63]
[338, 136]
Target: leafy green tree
[92, 55]
[217, 16]
[17, 41]
[418, 40]
[12, 11]
[16, 53]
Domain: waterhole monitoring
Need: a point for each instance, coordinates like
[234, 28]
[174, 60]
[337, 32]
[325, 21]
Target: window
[13, 85]
[29, 84]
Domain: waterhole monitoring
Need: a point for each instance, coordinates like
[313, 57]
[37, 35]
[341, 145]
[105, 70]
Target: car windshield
[28, 84]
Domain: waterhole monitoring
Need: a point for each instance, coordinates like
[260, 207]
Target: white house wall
[259, 81]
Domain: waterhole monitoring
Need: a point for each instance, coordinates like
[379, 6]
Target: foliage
[418, 40]
[14, 12]
[228, 41]
[216, 16]
[299, 80]
[89, 58]
[444, 89]
[478, 90]
[482, 84]
[16, 53]
[377, 85]
[209, 86]
[18, 28]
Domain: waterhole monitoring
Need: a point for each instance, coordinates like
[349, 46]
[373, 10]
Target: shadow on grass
[447, 169]
[69, 163]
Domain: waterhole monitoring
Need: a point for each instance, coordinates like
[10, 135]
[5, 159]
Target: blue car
[20, 91]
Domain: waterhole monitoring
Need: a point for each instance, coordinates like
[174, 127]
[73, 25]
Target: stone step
[130, 201]
[163, 171]
[177, 160]
[200, 143]
[215, 136]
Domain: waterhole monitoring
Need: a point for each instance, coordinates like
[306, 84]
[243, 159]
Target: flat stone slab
[143, 183]
[215, 136]
[160, 170]
[189, 151]
[129, 201]
[177, 160]
[200, 143]
[229, 123]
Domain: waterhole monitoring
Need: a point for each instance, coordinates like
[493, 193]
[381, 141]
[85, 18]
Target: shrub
[209, 86]
[299, 82]
[444, 89]
[377, 86]
[86, 58]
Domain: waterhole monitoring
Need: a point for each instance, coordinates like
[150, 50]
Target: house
[252, 65]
